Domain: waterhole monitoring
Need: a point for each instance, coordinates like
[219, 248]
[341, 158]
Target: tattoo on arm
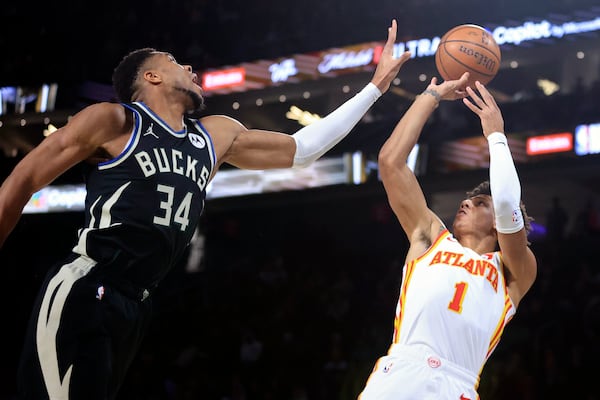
[433, 93]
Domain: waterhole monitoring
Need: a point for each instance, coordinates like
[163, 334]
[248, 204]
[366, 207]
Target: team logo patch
[197, 140]
[434, 362]
[150, 132]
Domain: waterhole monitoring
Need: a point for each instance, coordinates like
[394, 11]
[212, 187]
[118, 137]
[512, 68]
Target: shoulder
[224, 132]
[101, 122]
[222, 124]
[108, 113]
[105, 107]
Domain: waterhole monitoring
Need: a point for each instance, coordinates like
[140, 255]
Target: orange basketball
[469, 48]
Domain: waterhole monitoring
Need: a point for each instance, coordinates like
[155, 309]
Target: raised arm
[260, 149]
[75, 142]
[518, 258]
[404, 193]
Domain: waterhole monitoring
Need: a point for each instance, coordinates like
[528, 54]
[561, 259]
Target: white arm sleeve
[504, 185]
[316, 139]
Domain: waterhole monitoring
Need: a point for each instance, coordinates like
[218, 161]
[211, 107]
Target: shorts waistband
[426, 355]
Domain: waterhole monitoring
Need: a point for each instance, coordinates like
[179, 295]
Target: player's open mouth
[195, 80]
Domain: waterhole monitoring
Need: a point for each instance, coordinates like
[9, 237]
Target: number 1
[459, 295]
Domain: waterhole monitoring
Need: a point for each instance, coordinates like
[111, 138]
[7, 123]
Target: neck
[480, 245]
[169, 110]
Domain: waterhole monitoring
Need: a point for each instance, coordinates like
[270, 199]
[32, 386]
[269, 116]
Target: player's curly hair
[125, 74]
[484, 188]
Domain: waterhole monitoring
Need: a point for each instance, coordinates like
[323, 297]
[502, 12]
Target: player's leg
[30, 381]
[109, 341]
[81, 338]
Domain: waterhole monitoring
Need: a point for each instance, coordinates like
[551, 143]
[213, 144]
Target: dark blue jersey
[143, 206]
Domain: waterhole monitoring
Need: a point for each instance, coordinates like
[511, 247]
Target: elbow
[384, 158]
[387, 160]
[388, 169]
[301, 162]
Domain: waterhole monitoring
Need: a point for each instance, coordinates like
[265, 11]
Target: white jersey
[454, 302]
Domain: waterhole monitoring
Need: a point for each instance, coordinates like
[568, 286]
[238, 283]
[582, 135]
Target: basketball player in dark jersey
[149, 165]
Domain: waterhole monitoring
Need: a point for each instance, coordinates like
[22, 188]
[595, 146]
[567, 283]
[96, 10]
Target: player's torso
[147, 201]
[455, 302]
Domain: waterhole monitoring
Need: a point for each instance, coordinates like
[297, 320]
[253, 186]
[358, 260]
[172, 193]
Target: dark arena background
[288, 291]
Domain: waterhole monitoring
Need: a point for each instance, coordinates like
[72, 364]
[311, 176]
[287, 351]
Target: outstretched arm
[259, 149]
[69, 145]
[404, 193]
[506, 195]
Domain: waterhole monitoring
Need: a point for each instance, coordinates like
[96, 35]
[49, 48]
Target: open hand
[484, 105]
[388, 66]
[449, 90]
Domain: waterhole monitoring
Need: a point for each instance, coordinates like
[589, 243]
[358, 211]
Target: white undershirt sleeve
[504, 185]
[316, 139]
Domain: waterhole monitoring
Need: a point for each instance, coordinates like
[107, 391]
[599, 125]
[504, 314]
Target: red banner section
[554, 143]
[293, 69]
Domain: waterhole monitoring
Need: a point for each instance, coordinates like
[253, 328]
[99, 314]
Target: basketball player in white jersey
[458, 289]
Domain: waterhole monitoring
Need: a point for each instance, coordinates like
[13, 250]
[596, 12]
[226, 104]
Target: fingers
[462, 81]
[475, 97]
[392, 31]
[486, 95]
[404, 57]
[471, 106]
[460, 93]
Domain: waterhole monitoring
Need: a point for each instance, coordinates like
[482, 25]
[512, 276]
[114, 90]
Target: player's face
[185, 80]
[476, 214]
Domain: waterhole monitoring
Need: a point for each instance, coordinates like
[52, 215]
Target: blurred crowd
[298, 302]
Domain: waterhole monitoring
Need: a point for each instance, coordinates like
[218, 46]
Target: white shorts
[409, 374]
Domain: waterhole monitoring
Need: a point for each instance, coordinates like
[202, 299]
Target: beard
[196, 100]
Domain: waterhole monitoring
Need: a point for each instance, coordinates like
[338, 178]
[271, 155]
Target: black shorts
[82, 336]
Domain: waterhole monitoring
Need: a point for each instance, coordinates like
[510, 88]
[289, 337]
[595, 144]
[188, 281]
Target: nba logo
[100, 292]
[516, 216]
[387, 367]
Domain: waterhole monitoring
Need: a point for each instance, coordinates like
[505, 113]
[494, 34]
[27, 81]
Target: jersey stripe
[131, 143]
[442, 235]
[81, 248]
[48, 325]
[208, 138]
[180, 134]
[500, 328]
[398, 320]
[105, 219]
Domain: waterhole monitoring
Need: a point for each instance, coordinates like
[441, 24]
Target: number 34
[182, 213]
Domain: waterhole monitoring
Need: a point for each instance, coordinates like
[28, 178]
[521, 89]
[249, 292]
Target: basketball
[469, 48]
